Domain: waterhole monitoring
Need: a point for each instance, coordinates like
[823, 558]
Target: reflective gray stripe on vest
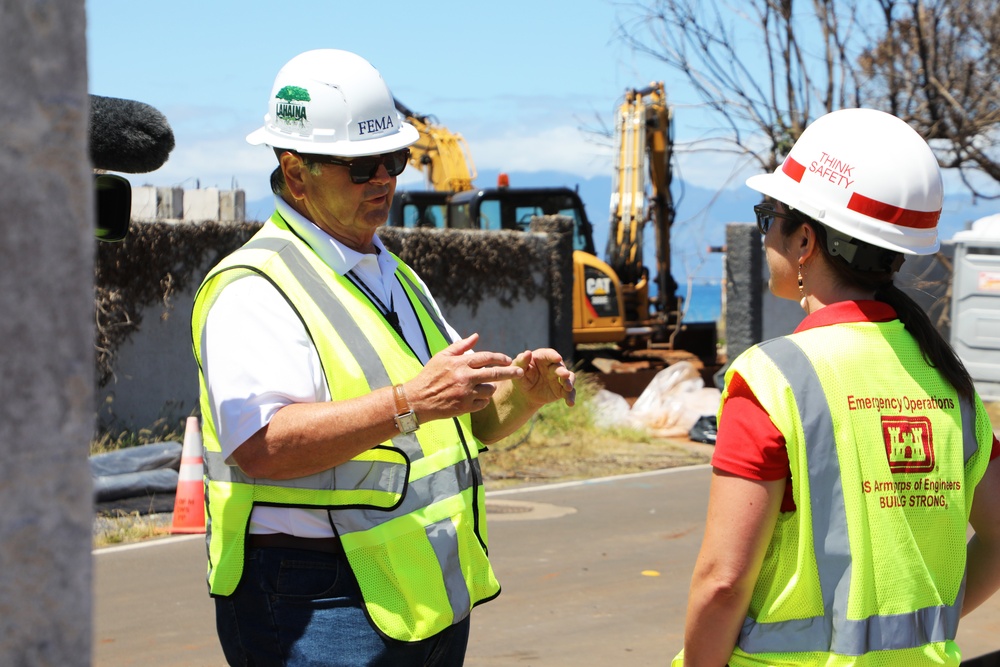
[834, 632]
[267, 243]
[420, 493]
[347, 475]
[217, 470]
[970, 443]
[426, 303]
[443, 537]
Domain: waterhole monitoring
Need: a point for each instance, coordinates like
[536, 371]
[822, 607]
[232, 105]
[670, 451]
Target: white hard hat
[866, 174]
[332, 102]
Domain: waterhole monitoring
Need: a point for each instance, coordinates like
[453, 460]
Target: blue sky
[525, 83]
[518, 83]
[522, 81]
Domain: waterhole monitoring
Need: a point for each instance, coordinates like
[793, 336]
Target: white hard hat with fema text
[332, 102]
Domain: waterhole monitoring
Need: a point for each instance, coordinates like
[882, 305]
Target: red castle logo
[909, 445]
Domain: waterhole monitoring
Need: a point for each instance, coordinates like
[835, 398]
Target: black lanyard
[389, 313]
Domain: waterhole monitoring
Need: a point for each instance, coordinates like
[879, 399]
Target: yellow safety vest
[410, 512]
[870, 569]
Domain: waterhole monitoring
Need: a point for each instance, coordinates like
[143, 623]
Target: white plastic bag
[674, 400]
[612, 410]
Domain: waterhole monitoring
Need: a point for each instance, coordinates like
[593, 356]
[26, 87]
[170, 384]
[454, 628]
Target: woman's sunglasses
[363, 169]
[766, 215]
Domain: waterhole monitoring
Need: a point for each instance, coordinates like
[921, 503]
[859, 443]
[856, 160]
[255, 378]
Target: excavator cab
[513, 208]
[598, 306]
[419, 208]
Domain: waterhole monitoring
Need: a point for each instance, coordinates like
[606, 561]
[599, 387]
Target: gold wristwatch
[406, 418]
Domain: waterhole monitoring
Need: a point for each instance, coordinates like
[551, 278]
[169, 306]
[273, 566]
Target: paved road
[593, 573]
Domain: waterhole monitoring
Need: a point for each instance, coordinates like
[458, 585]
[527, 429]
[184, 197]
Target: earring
[802, 289]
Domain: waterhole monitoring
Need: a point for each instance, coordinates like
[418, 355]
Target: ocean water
[704, 303]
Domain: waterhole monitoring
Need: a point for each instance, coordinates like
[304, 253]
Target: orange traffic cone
[189, 502]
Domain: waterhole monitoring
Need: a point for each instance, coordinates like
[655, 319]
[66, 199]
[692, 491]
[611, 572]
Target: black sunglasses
[766, 215]
[363, 169]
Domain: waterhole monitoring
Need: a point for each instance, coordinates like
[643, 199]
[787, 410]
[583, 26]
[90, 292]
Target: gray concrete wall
[744, 270]
[46, 361]
[155, 373]
[555, 234]
[201, 204]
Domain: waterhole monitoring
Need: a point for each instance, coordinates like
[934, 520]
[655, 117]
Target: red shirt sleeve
[748, 444]
[996, 447]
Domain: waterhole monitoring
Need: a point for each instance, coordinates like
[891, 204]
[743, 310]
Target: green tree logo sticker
[290, 107]
[294, 94]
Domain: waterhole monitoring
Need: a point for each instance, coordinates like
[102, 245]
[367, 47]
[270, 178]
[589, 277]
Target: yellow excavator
[611, 302]
[440, 154]
[640, 196]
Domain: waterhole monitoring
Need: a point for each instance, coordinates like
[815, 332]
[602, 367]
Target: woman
[852, 454]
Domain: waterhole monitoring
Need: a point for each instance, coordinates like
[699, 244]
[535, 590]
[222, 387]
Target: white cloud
[411, 179]
[564, 149]
[221, 163]
[571, 150]
[714, 171]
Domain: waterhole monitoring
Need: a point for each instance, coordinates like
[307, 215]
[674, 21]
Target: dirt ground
[571, 460]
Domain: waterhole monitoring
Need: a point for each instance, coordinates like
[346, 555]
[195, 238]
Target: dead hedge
[159, 260]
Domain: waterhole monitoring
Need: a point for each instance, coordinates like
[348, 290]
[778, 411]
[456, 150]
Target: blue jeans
[297, 608]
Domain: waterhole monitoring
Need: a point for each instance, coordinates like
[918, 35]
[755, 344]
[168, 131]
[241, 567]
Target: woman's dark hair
[936, 350]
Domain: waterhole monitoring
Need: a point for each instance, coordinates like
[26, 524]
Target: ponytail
[937, 352]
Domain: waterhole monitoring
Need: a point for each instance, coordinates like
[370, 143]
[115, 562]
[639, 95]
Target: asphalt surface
[593, 573]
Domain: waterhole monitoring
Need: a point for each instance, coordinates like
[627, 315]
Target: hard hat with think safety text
[866, 174]
[332, 102]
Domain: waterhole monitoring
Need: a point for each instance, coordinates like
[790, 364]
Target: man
[342, 415]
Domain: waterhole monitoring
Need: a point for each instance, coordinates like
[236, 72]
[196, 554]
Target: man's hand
[546, 378]
[457, 381]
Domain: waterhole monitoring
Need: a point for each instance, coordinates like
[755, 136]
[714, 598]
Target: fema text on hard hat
[373, 125]
[832, 169]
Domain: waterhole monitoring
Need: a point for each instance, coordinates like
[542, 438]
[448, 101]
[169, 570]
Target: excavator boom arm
[441, 155]
[640, 191]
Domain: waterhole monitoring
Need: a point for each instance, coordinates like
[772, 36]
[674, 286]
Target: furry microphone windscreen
[128, 136]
